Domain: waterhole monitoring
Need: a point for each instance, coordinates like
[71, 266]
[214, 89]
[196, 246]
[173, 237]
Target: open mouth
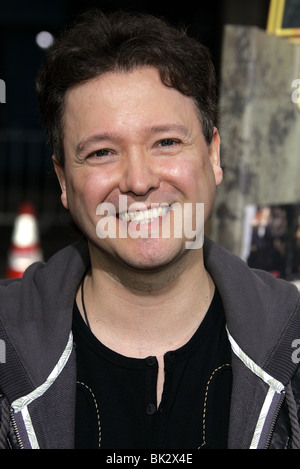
[144, 216]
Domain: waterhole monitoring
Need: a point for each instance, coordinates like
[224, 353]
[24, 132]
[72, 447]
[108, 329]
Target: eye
[100, 153]
[168, 142]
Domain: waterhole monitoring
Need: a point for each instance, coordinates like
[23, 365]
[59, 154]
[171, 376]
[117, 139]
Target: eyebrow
[107, 136]
[98, 138]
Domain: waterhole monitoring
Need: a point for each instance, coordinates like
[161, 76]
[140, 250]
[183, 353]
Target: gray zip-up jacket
[38, 369]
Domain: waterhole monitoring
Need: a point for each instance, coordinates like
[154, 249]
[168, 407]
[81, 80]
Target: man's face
[127, 134]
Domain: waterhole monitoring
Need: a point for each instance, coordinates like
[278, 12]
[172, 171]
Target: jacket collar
[257, 307]
[258, 310]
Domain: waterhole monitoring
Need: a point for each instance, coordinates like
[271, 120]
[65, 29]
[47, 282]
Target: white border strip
[262, 418]
[276, 385]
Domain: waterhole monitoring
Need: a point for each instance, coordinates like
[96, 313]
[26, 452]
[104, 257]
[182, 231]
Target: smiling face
[127, 134]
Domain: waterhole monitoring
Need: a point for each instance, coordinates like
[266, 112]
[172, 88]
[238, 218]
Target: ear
[60, 173]
[214, 154]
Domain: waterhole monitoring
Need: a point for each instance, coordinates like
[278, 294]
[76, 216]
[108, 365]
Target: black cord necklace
[82, 301]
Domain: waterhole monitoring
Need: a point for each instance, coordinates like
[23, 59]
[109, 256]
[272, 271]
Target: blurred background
[25, 160]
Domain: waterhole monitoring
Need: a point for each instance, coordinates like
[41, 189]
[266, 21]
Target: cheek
[194, 177]
[90, 188]
[85, 192]
[178, 171]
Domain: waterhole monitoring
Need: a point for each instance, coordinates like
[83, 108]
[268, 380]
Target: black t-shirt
[116, 395]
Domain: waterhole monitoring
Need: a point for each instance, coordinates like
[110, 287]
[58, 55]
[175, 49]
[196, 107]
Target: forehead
[126, 100]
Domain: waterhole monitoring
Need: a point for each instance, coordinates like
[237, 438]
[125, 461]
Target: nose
[139, 175]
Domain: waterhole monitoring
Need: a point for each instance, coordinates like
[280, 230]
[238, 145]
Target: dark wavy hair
[97, 43]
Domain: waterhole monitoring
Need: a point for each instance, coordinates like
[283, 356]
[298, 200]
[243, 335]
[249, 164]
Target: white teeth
[144, 216]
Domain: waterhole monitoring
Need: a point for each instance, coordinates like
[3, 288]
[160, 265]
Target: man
[139, 336]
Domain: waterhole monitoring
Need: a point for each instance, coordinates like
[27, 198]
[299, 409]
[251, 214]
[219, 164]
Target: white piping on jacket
[21, 404]
[261, 419]
[275, 386]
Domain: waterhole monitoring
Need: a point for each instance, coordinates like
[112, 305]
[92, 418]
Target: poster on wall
[284, 18]
[271, 239]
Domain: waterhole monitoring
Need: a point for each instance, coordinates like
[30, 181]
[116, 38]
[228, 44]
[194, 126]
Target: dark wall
[20, 21]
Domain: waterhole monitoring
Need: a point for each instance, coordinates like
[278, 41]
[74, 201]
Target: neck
[146, 313]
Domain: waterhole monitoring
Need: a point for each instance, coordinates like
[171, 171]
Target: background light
[44, 39]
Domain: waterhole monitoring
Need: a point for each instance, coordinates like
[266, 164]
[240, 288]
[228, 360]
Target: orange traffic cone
[25, 248]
